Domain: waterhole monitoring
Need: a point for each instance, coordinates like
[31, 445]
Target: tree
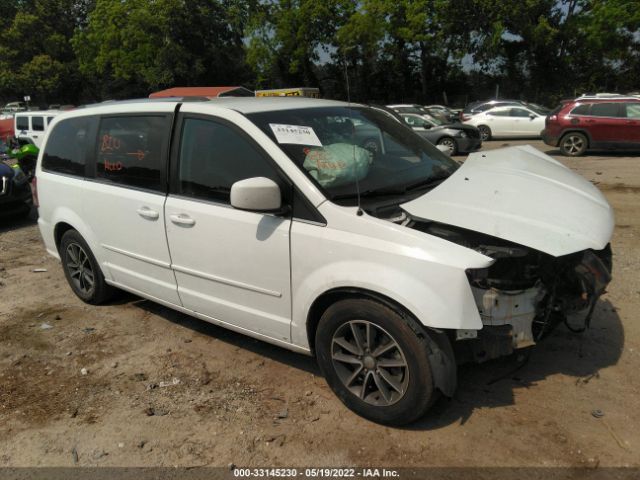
[36, 57]
[132, 47]
[285, 39]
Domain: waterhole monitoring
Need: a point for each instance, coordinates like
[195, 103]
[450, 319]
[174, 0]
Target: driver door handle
[146, 212]
[182, 219]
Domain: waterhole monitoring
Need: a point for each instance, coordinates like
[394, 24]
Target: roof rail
[601, 96]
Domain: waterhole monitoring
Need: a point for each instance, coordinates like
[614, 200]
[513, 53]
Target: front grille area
[472, 133]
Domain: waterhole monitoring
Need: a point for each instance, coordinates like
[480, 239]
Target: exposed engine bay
[525, 293]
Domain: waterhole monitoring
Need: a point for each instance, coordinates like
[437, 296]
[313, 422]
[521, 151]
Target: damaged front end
[525, 293]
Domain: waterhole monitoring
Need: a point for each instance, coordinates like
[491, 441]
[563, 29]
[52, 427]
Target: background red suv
[594, 123]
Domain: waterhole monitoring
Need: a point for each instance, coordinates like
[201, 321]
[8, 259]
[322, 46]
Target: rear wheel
[82, 270]
[450, 143]
[485, 133]
[573, 144]
[376, 361]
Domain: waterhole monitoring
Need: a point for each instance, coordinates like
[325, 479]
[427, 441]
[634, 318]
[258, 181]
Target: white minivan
[327, 228]
[31, 125]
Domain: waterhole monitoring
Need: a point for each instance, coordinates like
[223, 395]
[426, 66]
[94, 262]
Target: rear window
[37, 124]
[22, 123]
[131, 150]
[65, 151]
[605, 110]
[632, 110]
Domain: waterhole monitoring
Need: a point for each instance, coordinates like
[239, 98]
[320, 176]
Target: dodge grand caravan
[272, 218]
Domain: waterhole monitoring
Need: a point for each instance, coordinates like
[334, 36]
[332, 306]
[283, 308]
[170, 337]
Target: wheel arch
[577, 130]
[440, 350]
[59, 230]
[328, 298]
[65, 220]
[445, 136]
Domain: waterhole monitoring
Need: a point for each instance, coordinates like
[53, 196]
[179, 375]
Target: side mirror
[532, 116]
[426, 125]
[257, 194]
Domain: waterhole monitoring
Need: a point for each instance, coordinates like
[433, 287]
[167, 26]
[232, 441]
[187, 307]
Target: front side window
[344, 150]
[37, 124]
[131, 150]
[22, 123]
[605, 110]
[414, 121]
[213, 156]
[66, 149]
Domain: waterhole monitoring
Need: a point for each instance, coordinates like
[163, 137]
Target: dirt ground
[163, 389]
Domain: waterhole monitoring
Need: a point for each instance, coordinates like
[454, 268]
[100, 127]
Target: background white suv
[31, 125]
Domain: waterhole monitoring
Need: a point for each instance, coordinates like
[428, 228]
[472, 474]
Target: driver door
[232, 266]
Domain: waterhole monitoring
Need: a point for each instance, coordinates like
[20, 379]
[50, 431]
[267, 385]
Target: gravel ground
[133, 383]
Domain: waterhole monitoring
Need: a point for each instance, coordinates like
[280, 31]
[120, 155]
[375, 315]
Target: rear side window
[22, 123]
[37, 124]
[632, 110]
[581, 109]
[605, 109]
[131, 150]
[65, 151]
[499, 113]
[519, 112]
[213, 156]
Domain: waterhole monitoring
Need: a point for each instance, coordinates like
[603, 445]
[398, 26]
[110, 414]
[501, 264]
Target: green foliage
[384, 50]
[149, 45]
[36, 57]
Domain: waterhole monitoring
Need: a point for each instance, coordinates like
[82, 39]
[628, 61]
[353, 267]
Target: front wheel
[451, 145]
[573, 144]
[82, 270]
[485, 133]
[376, 361]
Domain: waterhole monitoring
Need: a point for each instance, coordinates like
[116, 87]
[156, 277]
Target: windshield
[433, 120]
[339, 146]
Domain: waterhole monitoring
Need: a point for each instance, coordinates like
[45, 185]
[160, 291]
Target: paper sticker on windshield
[296, 134]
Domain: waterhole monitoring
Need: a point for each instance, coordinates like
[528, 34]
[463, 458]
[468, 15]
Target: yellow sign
[290, 92]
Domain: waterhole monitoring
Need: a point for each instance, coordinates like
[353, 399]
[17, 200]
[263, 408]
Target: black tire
[80, 270]
[450, 143]
[574, 144]
[376, 400]
[485, 133]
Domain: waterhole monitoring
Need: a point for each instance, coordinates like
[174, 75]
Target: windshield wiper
[426, 182]
[369, 193]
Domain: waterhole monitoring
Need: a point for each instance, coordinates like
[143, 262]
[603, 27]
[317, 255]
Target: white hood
[524, 196]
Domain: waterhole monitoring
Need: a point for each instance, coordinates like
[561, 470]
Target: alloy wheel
[79, 267]
[450, 144]
[573, 144]
[485, 133]
[370, 362]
